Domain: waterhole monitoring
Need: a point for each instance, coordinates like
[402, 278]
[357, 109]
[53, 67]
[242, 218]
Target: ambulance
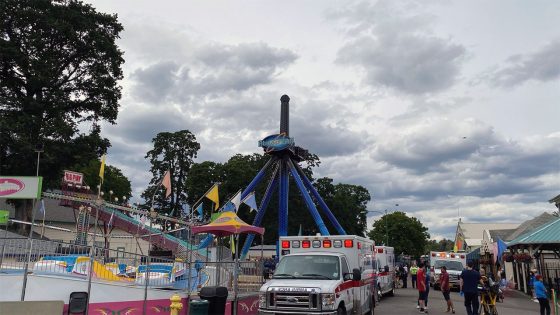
[454, 262]
[384, 270]
[321, 275]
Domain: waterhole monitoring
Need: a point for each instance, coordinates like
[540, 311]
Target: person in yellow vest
[413, 272]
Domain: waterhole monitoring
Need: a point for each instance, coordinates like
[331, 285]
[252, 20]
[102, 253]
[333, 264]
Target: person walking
[541, 294]
[445, 289]
[421, 284]
[413, 271]
[405, 276]
[470, 279]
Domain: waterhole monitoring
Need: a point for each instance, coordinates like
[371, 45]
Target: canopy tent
[228, 223]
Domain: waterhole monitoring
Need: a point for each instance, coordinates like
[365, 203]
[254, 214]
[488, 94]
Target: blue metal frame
[321, 202]
[283, 198]
[310, 205]
[272, 184]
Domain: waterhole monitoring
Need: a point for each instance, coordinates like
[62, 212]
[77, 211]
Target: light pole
[384, 219]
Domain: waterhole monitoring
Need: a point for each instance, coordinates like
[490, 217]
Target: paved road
[404, 302]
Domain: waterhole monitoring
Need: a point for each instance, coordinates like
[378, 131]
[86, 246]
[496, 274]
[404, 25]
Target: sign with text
[277, 142]
[73, 177]
[20, 187]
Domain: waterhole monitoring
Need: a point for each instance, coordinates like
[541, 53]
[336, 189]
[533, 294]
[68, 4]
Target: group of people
[421, 280]
[470, 279]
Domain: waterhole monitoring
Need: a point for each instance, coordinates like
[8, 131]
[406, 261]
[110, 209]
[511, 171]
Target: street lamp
[384, 219]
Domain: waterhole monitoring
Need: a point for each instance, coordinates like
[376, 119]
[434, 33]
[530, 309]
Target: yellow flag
[455, 248]
[213, 195]
[232, 244]
[102, 168]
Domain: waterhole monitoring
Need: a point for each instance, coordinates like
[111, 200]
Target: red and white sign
[73, 177]
[20, 187]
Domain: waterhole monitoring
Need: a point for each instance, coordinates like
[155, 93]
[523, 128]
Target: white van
[321, 275]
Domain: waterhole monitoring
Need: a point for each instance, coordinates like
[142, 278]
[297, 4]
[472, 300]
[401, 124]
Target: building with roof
[469, 236]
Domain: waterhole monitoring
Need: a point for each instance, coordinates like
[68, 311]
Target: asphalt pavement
[404, 302]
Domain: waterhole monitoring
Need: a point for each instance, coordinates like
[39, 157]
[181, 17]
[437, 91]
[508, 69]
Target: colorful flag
[213, 195]
[102, 168]
[251, 201]
[236, 200]
[4, 216]
[166, 182]
[42, 207]
[228, 207]
[199, 210]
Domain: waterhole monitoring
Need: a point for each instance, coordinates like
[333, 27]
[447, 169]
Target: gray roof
[54, 212]
[548, 233]
[501, 234]
[530, 225]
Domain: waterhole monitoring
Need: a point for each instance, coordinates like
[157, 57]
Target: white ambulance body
[385, 269]
[321, 275]
[454, 262]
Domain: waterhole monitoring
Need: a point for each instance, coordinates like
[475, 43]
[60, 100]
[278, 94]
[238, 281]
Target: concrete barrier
[32, 308]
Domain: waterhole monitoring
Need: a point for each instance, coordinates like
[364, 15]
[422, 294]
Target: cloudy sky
[446, 108]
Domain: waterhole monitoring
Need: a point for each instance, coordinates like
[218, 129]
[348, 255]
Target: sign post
[4, 217]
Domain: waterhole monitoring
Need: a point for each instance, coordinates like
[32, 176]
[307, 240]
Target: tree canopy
[443, 245]
[173, 152]
[406, 234]
[59, 73]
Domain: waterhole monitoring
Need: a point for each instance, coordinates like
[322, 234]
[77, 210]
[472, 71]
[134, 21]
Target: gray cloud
[542, 65]
[212, 70]
[398, 52]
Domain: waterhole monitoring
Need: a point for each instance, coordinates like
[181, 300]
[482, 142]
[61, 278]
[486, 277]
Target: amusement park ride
[285, 156]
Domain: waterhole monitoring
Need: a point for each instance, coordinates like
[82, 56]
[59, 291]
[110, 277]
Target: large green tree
[406, 234]
[443, 245]
[173, 152]
[59, 73]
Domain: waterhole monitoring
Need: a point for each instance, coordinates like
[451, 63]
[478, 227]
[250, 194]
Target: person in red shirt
[421, 285]
[444, 285]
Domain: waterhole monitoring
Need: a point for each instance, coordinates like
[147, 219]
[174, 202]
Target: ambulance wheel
[341, 310]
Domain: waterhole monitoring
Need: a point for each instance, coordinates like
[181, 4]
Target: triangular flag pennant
[214, 196]
[166, 182]
[102, 168]
[214, 216]
[199, 210]
[251, 201]
[229, 207]
[236, 200]
[232, 244]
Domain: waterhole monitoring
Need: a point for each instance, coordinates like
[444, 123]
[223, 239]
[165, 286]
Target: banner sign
[73, 177]
[20, 187]
[277, 142]
[4, 216]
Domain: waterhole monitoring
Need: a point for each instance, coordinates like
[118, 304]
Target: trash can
[198, 307]
[216, 297]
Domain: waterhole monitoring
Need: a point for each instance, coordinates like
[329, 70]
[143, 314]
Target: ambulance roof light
[305, 244]
[327, 244]
[348, 243]
[285, 244]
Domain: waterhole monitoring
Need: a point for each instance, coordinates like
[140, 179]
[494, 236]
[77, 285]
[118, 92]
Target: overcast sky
[446, 108]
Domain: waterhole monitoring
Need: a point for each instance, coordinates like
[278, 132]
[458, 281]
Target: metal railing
[117, 266]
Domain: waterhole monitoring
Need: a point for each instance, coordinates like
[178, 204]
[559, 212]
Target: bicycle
[488, 297]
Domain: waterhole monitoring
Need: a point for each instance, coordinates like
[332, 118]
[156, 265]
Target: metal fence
[70, 260]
